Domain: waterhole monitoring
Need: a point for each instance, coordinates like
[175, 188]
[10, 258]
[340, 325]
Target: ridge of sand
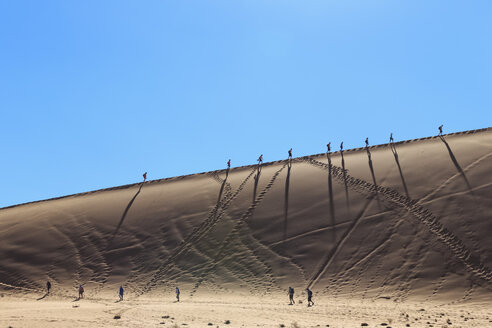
[241, 167]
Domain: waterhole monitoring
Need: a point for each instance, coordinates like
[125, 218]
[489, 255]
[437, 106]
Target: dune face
[408, 221]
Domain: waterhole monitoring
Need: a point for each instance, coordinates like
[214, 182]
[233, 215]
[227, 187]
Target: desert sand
[394, 235]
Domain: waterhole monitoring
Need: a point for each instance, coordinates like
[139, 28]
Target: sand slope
[410, 222]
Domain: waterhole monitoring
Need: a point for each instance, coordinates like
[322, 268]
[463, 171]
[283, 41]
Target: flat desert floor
[245, 312]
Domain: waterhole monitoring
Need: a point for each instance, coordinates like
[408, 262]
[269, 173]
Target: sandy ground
[245, 312]
[377, 233]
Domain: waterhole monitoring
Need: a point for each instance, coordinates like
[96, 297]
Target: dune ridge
[242, 167]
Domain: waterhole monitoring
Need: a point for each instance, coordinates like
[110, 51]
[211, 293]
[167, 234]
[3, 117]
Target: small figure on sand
[260, 159]
[341, 146]
[120, 294]
[81, 292]
[177, 294]
[328, 146]
[229, 164]
[290, 153]
[367, 142]
[144, 176]
[310, 297]
[48, 287]
[391, 138]
[440, 130]
[291, 296]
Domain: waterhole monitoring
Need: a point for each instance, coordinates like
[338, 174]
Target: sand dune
[387, 228]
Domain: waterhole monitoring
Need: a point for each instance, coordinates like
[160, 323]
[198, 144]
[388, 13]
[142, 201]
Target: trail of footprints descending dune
[235, 230]
[457, 247]
[213, 217]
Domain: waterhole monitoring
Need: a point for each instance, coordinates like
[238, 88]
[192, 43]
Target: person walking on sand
[48, 286]
[260, 159]
[440, 130]
[341, 146]
[290, 153]
[177, 294]
[328, 147]
[291, 296]
[310, 297]
[229, 164]
[367, 142]
[391, 138]
[120, 294]
[144, 176]
[81, 292]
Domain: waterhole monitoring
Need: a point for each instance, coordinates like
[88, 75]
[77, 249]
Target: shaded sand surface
[390, 228]
[244, 312]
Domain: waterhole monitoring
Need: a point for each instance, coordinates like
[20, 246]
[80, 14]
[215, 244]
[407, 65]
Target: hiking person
[391, 137]
[328, 146]
[290, 153]
[81, 292]
[440, 130]
[291, 296]
[367, 142]
[260, 159]
[144, 176]
[229, 164]
[341, 146]
[48, 286]
[310, 297]
[120, 294]
[177, 294]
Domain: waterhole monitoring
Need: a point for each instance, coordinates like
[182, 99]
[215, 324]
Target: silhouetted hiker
[328, 146]
[229, 164]
[440, 130]
[291, 296]
[310, 297]
[48, 286]
[367, 142]
[260, 159]
[177, 294]
[391, 137]
[290, 153]
[81, 292]
[144, 176]
[120, 294]
[341, 146]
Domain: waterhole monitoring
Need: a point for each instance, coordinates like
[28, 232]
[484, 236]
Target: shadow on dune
[286, 201]
[456, 164]
[345, 183]
[257, 179]
[330, 195]
[221, 191]
[126, 211]
[42, 297]
[373, 175]
[395, 153]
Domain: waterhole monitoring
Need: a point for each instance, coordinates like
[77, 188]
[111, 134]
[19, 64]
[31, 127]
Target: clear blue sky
[93, 93]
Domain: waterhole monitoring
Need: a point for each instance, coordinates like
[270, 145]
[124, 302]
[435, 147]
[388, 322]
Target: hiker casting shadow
[130, 203]
[291, 296]
[347, 202]
[369, 158]
[395, 154]
[330, 192]
[257, 176]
